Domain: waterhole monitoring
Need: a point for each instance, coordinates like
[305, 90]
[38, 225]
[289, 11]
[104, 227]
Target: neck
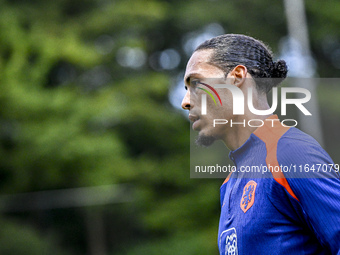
[237, 134]
[240, 131]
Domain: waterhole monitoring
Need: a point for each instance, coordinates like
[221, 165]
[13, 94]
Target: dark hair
[231, 50]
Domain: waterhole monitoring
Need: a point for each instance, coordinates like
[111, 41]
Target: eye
[194, 83]
[186, 88]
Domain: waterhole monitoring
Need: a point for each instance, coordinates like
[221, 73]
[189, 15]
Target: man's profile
[273, 212]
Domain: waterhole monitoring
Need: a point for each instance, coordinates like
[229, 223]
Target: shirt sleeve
[315, 182]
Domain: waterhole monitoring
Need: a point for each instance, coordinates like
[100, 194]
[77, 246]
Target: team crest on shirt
[230, 245]
[248, 196]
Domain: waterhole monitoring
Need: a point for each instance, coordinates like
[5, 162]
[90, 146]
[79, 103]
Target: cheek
[227, 106]
[213, 105]
[195, 97]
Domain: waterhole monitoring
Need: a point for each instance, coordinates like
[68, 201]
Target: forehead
[198, 65]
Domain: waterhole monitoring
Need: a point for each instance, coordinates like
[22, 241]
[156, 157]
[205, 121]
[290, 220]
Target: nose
[186, 101]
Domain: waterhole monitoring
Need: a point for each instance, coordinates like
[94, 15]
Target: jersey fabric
[283, 206]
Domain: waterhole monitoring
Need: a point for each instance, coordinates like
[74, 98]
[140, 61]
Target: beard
[205, 141]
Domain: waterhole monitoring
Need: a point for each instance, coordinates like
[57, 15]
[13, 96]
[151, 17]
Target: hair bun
[280, 69]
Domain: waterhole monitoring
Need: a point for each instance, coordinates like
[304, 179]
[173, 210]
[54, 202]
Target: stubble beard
[205, 141]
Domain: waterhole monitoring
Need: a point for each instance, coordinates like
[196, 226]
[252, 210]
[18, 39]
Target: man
[272, 212]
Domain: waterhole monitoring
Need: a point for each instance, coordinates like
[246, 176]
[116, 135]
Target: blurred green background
[94, 155]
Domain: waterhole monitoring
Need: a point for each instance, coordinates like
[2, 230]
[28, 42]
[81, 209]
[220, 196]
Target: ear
[238, 75]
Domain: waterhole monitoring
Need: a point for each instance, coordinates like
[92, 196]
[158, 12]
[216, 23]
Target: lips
[195, 120]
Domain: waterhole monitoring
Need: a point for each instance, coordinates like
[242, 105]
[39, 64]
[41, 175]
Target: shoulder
[297, 147]
[306, 165]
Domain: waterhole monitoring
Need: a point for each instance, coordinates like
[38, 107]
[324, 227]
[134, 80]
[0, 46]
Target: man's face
[200, 70]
